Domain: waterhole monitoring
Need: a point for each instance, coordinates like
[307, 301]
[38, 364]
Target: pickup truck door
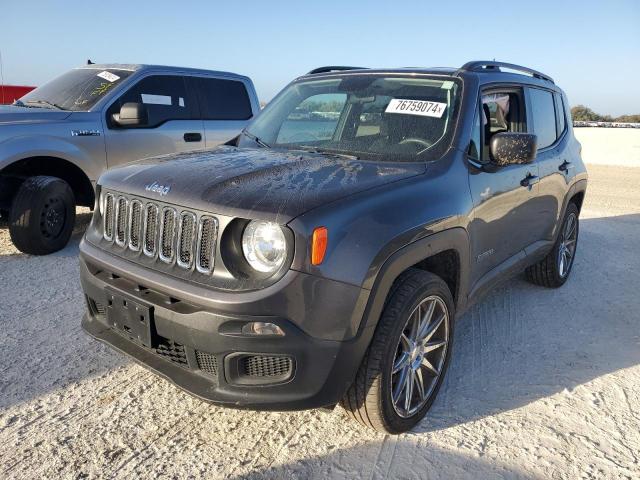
[174, 122]
[504, 198]
[224, 105]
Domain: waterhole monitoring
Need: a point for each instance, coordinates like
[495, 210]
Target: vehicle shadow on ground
[42, 347]
[523, 342]
[394, 457]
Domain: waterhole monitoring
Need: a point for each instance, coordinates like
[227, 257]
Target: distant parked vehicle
[56, 140]
[9, 93]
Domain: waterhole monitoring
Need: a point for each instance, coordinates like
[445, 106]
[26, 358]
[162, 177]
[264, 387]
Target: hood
[16, 114]
[253, 183]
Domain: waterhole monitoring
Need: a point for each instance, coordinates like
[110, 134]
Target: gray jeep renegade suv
[57, 140]
[322, 256]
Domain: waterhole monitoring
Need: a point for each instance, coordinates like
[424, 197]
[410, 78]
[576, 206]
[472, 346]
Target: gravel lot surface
[543, 383]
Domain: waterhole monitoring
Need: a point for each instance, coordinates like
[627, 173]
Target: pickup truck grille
[166, 233]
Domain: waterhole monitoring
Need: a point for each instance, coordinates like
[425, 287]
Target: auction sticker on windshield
[110, 77]
[416, 107]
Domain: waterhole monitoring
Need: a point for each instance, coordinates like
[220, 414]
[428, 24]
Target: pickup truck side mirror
[509, 148]
[132, 115]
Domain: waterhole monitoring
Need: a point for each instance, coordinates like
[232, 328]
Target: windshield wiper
[45, 104]
[255, 139]
[309, 148]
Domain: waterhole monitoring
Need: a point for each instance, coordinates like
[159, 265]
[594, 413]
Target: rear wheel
[406, 362]
[553, 270]
[42, 215]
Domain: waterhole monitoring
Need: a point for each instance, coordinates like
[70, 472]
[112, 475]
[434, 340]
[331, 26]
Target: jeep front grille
[135, 224]
[168, 235]
[108, 217]
[150, 229]
[181, 237]
[121, 221]
[186, 237]
[207, 234]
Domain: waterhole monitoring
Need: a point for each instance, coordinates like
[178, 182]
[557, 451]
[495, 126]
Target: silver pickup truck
[57, 140]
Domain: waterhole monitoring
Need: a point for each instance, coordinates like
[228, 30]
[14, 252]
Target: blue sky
[591, 48]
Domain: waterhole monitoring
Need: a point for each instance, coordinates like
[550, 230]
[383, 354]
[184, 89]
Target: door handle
[565, 167]
[192, 137]
[529, 180]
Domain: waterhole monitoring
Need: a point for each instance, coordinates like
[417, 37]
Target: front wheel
[42, 216]
[553, 270]
[406, 362]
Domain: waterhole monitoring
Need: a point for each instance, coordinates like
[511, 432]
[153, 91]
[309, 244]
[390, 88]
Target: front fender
[373, 301]
[455, 239]
[26, 146]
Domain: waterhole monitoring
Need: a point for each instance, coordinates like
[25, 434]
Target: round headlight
[264, 246]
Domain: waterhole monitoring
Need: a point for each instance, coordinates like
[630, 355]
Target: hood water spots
[256, 183]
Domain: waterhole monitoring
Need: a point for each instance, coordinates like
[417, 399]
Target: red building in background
[9, 93]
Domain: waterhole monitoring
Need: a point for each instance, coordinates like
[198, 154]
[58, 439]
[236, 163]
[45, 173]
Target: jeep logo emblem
[155, 187]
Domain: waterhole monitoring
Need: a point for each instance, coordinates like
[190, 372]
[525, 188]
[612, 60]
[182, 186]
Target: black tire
[42, 216]
[369, 399]
[547, 272]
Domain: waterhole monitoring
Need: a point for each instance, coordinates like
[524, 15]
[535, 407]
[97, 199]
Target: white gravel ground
[543, 384]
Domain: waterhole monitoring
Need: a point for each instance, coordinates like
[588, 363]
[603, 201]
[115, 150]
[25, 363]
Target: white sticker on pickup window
[154, 99]
[416, 107]
[110, 77]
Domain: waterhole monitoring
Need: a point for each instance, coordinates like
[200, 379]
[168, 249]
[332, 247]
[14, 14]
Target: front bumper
[197, 345]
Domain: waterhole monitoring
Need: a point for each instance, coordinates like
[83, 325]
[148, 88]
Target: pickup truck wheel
[403, 369]
[42, 215]
[554, 269]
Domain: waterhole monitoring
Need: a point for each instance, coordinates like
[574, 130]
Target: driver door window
[314, 119]
[164, 96]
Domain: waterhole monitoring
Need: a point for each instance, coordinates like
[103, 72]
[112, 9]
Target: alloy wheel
[420, 356]
[567, 247]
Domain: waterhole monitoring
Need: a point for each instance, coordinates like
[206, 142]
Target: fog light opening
[262, 328]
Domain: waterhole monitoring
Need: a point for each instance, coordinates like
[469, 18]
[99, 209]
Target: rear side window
[544, 116]
[561, 114]
[223, 99]
[165, 97]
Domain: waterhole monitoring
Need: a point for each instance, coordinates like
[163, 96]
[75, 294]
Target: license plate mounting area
[131, 318]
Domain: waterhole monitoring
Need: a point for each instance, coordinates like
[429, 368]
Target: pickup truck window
[165, 97]
[77, 90]
[223, 99]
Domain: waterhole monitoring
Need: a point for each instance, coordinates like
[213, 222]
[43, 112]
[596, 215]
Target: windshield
[77, 90]
[374, 116]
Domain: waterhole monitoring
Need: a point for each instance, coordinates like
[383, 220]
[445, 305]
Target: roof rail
[332, 68]
[484, 65]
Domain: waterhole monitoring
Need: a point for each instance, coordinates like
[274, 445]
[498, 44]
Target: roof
[483, 71]
[146, 67]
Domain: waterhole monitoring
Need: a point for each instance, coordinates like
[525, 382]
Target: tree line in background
[580, 113]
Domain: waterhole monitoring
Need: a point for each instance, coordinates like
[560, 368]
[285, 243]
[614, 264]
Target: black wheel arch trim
[456, 239]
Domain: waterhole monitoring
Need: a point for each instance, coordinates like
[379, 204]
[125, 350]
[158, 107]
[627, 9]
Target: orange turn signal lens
[318, 245]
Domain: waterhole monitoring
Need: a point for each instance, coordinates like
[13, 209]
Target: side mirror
[132, 115]
[509, 148]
